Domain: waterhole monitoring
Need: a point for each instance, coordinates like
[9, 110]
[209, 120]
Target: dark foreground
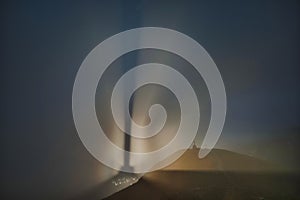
[214, 185]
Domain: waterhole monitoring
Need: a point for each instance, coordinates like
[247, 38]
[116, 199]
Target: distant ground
[221, 175]
[213, 186]
[220, 160]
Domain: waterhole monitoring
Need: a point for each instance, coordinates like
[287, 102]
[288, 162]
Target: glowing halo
[94, 65]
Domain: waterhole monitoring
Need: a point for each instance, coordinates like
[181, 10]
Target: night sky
[255, 45]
